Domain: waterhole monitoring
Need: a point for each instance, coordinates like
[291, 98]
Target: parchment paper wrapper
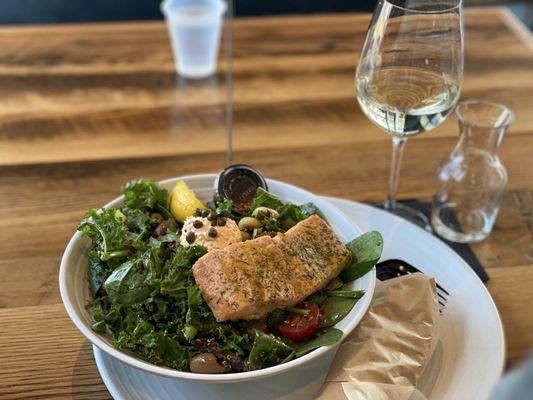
[385, 356]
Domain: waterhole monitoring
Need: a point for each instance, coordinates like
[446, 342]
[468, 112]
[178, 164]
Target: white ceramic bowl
[297, 379]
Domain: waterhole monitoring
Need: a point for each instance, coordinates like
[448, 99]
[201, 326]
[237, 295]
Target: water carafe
[471, 180]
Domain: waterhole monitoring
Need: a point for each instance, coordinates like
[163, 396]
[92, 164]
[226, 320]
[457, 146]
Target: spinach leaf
[335, 309]
[329, 337]
[267, 350]
[97, 275]
[290, 357]
[366, 251]
[128, 284]
[154, 259]
[266, 199]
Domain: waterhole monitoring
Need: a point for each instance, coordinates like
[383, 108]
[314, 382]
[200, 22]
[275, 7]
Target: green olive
[249, 223]
[268, 212]
[206, 363]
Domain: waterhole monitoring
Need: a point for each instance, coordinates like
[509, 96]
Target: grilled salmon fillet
[247, 280]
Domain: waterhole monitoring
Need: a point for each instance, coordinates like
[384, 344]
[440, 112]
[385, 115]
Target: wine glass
[409, 75]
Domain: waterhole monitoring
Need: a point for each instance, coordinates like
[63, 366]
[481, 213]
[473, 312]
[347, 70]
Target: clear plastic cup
[195, 27]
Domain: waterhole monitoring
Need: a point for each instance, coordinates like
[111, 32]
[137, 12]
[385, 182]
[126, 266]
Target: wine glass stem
[396, 161]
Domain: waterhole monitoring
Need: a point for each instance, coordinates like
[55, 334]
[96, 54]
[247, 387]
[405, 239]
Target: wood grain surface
[86, 107]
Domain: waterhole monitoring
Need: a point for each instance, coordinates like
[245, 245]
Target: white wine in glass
[409, 76]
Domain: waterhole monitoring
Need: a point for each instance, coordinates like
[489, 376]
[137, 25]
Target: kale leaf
[177, 275]
[108, 228]
[145, 195]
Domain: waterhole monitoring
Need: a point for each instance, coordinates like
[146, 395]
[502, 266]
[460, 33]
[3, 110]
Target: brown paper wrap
[385, 356]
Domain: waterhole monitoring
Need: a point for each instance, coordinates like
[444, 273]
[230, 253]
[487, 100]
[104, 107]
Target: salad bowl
[300, 378]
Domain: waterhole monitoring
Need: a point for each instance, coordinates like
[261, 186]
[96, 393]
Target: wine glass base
[411, 215]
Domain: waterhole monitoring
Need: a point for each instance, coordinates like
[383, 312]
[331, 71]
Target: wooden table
[84, 108]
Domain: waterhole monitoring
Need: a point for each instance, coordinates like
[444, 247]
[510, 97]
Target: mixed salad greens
[145, 296]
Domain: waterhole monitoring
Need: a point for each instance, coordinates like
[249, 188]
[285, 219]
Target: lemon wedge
[183, 202]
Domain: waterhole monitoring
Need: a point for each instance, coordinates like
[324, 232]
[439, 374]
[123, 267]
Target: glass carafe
[471, 180]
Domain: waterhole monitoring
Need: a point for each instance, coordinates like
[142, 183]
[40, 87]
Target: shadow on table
[86, 382]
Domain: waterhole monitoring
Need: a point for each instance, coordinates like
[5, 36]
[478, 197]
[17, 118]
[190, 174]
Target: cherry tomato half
[298, 326]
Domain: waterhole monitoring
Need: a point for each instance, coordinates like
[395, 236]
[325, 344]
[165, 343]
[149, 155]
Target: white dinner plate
[469, 359]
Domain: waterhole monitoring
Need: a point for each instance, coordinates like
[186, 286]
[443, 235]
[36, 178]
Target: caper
[205, 213]
[221, 221]
[212, 232]
[190, 237]
[198, 212]
[212, 216]
[197, 224]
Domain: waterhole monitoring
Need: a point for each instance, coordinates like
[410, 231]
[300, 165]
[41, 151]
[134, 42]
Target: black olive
[212, 232]
[164, 227]
[197, 223]
[190, 238]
